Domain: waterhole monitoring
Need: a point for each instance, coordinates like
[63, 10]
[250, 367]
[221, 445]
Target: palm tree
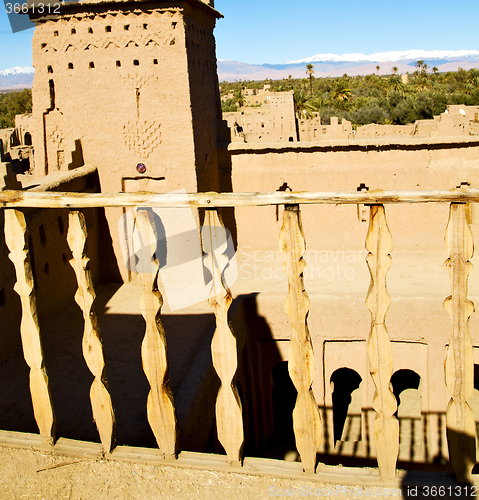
[301, 107]
[341, 93]
[377, 69]
[239, 97]
[395, 83]
[310, 72]
[395, 69]
[419, 64]
[435, 70]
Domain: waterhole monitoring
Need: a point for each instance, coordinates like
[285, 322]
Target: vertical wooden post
[386, 426]
[229, 417]
[16, 237]
[306, 419]
[92, 346]
[160, 404]
[459, 364]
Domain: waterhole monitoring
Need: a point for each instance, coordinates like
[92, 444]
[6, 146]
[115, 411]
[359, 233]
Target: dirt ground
[31, 474]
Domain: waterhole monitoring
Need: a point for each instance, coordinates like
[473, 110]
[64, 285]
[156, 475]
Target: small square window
[118, 64]
[92, 65]
[136, 62]
[126, 27]
[74, 31]
[108, 29]
[90, 30]
[55, 33]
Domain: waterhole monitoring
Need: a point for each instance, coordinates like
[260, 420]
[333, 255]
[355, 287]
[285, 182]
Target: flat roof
[77, 6]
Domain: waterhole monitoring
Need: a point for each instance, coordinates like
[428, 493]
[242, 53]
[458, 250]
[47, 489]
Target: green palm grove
[374, 98]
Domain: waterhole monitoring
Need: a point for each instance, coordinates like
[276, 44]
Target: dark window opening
[50, 69]
[70, 65]
[155, 61]
[118, 64]
[126, 27]
[74, 31]
[90, 30]
[108, 29]
[46, 268]
[145, 26]
[92, 65]
[28, 139]
[136, 62]
[55, 33]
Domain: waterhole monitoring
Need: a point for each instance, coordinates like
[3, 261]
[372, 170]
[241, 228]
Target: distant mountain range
[16, 78]
[352, 64]
[324, 65]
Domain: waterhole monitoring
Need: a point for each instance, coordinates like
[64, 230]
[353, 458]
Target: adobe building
[130, 87]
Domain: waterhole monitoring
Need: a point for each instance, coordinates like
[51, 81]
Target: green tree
[302, 108]
[395, 69]
[14, 103]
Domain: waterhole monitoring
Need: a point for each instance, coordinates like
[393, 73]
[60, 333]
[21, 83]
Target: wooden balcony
[311, 423]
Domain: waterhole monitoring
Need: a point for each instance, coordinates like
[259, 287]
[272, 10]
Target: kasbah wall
[121, 84]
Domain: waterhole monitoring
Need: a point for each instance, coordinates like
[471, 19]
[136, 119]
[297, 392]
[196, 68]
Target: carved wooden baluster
[386, 426]
[459, 365]
[160, 404]
[16, 237]
[306, 419]
[92, 346]
[229, 418]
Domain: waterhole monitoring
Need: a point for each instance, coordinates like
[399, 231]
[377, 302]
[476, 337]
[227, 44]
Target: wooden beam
[229, 418]
[92, 346]
[386, 426]
[306, 419]
[459, 364]
[16, 238]
[160, 404]
[18, 199]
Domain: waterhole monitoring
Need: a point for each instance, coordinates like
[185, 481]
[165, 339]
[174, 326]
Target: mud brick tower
[122, 83]
[128, 82]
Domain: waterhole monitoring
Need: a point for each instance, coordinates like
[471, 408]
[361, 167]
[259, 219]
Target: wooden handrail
[26, 199]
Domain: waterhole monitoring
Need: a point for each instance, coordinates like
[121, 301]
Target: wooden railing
[229, 422]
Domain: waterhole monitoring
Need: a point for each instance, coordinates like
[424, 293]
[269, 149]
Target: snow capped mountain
[394, 56]
[16, 78]
[17, 70]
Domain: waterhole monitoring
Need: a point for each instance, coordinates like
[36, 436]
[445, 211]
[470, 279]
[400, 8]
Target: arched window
[28, 139]
[346, 405]
[405, 385]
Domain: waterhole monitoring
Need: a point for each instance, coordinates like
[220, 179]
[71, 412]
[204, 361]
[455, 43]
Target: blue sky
[280, 30]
